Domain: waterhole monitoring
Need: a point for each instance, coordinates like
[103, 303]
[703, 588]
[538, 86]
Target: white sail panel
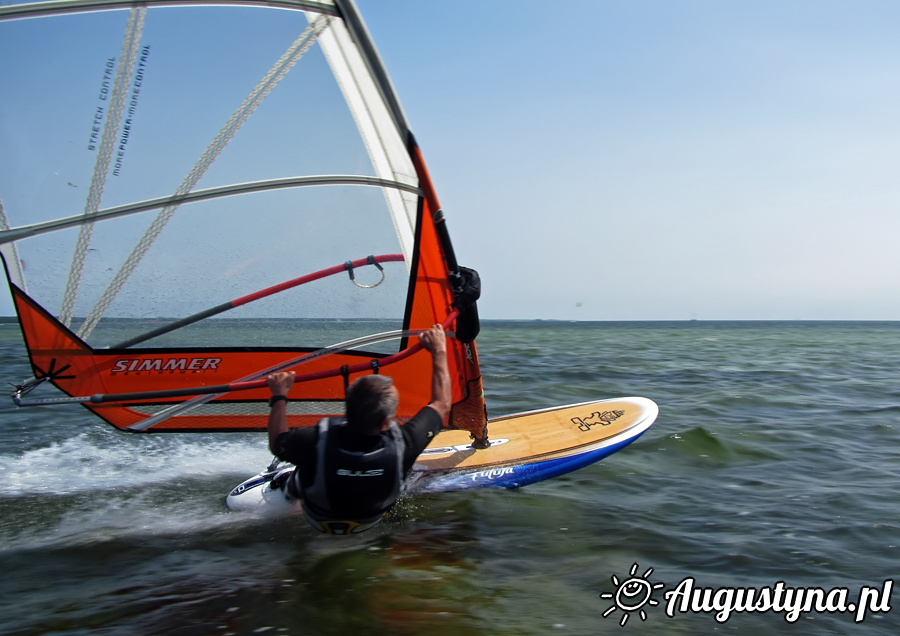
[384, 141]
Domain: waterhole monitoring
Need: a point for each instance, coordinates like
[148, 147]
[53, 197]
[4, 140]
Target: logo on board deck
[603, 419]
[493, 473]
[162, 365]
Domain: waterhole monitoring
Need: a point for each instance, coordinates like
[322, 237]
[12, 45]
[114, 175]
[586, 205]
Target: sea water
[772, 470]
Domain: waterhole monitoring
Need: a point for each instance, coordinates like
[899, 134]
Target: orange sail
[292, 186]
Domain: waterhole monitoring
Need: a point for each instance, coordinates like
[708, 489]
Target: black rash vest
[361, 470]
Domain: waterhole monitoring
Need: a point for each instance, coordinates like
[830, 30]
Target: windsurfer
[350, 470]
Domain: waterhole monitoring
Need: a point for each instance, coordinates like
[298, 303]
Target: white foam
[87, 462]
[104, 487]
[138, 516]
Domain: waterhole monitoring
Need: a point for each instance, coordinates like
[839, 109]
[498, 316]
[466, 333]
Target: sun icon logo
[632, 594]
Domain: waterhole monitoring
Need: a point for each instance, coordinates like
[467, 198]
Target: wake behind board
[525, 448]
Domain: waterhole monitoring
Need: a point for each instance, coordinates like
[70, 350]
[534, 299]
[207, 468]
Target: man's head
[371, 403]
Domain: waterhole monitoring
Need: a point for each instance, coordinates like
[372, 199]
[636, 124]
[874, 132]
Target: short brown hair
[369, 402]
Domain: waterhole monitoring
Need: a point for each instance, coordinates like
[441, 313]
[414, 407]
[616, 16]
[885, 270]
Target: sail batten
[61, 7]
[8, 235]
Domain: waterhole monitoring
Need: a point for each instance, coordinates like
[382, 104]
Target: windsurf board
[525, 448]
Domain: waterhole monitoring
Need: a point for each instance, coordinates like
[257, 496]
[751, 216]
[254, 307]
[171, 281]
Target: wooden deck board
[560, 431]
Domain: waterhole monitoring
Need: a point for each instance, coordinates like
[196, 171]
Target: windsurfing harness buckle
[370, 260]
[340, 526]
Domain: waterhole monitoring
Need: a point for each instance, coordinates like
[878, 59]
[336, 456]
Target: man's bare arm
[434, 342]
[279, 384]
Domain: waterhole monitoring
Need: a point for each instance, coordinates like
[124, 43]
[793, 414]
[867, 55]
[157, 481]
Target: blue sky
[653, 160]
[661, 160]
